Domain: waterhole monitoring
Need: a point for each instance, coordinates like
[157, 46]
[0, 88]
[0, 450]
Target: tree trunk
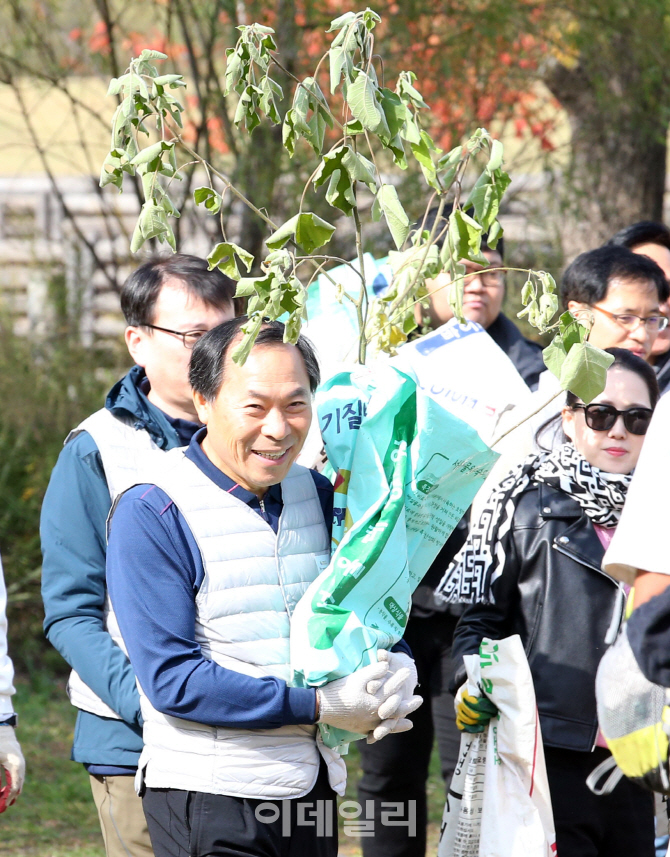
[259, 165]
[618, 160]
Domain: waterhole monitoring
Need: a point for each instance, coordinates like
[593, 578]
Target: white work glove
[353, 702]
[394, 711]
[11, 759]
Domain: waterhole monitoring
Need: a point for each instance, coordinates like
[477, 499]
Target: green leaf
[494, 234]
[152, 220]
[340, 61]
[423, 153]
[362, 102]
[211, 199]
[410, 130]
[394, 110]
[406, 90]
[312, 232]
[171, 80]
[234, 70]
[115, 86]
[394, 214]
[249, 333]
[341, 21]
[584, 371]
[137, 240]
[465, 237]
[151, 55]
[147, 155]
[223, 258]
[548, 308]
[572, 332]
[340, 193]
[554, 356]
[354, 127]
[317, 128]
[448, 166]
[486, 195]
[496, 157]
[309, 231]
[284, 234]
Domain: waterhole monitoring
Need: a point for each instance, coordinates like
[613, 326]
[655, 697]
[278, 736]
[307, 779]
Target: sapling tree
[356, 125]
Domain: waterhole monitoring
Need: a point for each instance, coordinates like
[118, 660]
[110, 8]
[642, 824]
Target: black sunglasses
[603, 417]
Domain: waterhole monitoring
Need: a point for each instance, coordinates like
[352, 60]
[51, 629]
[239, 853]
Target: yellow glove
[473, 712]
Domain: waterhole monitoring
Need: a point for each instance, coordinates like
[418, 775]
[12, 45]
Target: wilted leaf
[223, 258]
[211, 199]
[308, 230]
[361, 99]
[395, 215]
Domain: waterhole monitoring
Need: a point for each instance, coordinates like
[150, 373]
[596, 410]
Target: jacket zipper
[619, 602]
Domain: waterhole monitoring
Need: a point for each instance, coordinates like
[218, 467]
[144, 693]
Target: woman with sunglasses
[532, 567]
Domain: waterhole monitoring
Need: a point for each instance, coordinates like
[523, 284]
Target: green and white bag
[406, 472]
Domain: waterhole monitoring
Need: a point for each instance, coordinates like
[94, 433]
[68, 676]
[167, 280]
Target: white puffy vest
[252, 581]
[123, 450]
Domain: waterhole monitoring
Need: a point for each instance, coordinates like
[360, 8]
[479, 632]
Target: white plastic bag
[498, 803]
[462, 368]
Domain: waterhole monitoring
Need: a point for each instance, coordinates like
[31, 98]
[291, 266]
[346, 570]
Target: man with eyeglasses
[653, 239]
[168, 305]
[617, 294]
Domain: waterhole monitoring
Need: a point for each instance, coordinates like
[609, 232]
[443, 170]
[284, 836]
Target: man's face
[624, 297]
[259, 421]
[483, 293]
[163, 355]
[660, 255]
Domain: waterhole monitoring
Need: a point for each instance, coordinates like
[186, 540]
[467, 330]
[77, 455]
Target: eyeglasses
[188, 337]
[653, 323]
[486, 275]
[603, 417]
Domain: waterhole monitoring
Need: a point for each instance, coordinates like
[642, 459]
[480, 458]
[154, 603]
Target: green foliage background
[47, 386]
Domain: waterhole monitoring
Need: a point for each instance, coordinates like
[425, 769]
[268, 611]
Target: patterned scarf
[482, 558]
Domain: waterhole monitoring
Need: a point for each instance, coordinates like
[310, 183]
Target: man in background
[653, 240]
[483, 295]
[168, 305]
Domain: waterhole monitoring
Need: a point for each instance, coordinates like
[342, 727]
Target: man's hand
[473, 712]
[403, 702]
[11, 759]
[354, 702]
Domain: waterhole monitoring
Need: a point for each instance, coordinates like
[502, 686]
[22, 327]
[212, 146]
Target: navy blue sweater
[154, 570]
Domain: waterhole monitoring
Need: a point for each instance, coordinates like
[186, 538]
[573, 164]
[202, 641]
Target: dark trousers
[620, 824]
[195, 824]
[395, 770]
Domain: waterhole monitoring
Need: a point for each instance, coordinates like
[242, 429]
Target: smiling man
[206, 563]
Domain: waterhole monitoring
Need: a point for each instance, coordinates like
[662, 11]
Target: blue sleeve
[72, 529]
[152, 572]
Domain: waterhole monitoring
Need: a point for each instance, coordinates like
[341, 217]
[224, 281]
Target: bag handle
[599, 772]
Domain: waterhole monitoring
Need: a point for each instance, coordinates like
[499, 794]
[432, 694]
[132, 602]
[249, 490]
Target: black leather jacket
[552, 593]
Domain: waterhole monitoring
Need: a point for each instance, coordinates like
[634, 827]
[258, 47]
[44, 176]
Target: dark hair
[642, 232]
[140, 291]
[209, 354]
[429, 221]
[588, 278]
[626, 360]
